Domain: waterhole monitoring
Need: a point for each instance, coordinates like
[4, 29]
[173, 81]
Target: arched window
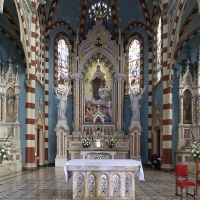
[62, 65]
[134, 65]
[159, 52]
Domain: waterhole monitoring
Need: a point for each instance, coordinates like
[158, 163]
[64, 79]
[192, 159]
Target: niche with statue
[9, 119]
[189, 116]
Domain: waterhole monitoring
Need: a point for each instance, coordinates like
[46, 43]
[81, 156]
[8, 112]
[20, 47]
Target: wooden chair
[181, 173]
[197, 175]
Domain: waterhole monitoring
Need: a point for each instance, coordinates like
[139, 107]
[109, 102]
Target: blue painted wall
[7, 48]
[53, 102]
[143, 102]
[39, 94]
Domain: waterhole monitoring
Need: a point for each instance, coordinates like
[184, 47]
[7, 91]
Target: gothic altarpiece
[189, 114]
[9, 119]
[98, 74]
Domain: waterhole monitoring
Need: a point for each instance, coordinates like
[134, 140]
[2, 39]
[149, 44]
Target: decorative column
[30, 96]
[194, 105]
[198, 90]
[150, 89]
[46, 106]
[76, 78]
[120, 80]
[3, 107]
[180, 109]
[17, 108]
[167, 94]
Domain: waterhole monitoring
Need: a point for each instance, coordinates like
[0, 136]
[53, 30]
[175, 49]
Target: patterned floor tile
[49, 184]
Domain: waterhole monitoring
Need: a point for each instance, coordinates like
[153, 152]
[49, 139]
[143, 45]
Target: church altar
[107, 179]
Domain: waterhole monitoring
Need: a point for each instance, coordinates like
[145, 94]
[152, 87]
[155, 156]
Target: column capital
[120, 77]
[77, 77]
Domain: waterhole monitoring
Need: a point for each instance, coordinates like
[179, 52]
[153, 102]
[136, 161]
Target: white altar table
[104, 179]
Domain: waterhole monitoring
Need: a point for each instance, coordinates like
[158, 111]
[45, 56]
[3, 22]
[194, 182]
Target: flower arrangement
[98, 157]
[86, 141]
[195, 148]
[4, 151]
[111, 142]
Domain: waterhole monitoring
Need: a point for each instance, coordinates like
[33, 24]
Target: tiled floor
[48, 183]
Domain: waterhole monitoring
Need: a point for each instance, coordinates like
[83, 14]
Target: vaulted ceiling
[126, 14]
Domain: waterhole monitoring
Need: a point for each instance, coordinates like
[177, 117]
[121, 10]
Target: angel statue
[135, 106]
[62, 106]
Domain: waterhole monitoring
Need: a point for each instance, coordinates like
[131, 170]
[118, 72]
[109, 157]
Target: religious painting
[10, 105]
[187, 107]
[134, 66]
[98, 95]
[63, 65]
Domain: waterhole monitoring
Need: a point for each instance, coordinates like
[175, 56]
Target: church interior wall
[144, 101]
[190, 51]
[39, 94]
[53, 102]
[7, 48]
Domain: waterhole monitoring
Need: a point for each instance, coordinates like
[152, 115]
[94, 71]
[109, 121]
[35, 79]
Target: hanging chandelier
[99, 12]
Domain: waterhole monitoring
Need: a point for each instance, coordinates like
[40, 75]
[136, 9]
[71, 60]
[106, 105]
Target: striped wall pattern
[52, 9]
[188, 20]
[82, 17]
[155, 30]
[167, 91]
[150, 89]
[115, 18]
[62, 23]
[30, 94]
[42, 47]
[11, 21]
[174, 28]
[136, 23]
[46, 97]
[145, 11]
[184, 41]
[42, 34]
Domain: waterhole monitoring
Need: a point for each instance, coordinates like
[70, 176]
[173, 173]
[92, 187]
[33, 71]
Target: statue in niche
[187, 111]
[187, 107]
[98, 81]
[10, 107]
[135, 106]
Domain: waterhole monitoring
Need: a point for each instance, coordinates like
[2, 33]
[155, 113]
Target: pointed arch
[62, 51]
[136, 65]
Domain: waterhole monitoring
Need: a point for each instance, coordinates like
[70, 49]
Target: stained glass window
[63, 65]
[134, 65]
[159, 52]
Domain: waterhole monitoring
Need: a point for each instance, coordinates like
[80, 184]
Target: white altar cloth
[105, 163]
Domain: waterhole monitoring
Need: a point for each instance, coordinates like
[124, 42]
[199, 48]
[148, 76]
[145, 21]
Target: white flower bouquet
[86, 141]
[4, 151]
[98, 157]
[111, 142]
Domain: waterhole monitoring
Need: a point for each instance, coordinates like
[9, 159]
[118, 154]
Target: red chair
[181, 173]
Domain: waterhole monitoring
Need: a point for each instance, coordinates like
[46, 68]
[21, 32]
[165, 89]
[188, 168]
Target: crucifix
[98, 42]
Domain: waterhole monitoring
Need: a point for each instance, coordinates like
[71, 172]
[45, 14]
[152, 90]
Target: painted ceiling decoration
[73, 15]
